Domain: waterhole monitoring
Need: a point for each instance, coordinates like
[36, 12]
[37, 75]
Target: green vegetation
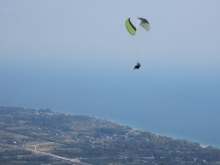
[92, 140]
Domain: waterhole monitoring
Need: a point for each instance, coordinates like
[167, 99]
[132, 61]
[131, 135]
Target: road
[75, 161]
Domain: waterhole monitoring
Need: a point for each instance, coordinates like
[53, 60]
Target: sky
[77, 57]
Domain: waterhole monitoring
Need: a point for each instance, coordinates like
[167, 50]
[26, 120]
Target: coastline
[152, 130]
[191, 139]
[174, 136]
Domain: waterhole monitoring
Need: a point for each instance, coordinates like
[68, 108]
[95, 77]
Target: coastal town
[47, 136]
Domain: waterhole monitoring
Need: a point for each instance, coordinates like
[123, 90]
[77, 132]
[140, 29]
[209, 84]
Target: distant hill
[95, 141]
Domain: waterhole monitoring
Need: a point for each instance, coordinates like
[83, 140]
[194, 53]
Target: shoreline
[136, 127]
[180, 137]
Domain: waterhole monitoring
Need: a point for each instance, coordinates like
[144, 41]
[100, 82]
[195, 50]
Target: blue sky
[77, 57]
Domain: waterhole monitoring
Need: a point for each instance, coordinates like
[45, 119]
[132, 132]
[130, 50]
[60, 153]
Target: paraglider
[137, 66]
[132, 24]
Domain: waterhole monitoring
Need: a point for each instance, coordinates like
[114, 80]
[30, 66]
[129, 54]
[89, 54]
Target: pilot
[137, 66]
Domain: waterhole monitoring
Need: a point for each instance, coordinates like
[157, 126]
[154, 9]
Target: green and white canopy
[133, 23]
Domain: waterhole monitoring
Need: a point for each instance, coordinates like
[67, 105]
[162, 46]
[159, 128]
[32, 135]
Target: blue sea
[181, 103]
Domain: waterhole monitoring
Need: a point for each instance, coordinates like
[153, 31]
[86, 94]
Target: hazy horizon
[77, 57]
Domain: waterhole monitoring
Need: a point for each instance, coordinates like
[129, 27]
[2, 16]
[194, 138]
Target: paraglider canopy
[133, 23]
